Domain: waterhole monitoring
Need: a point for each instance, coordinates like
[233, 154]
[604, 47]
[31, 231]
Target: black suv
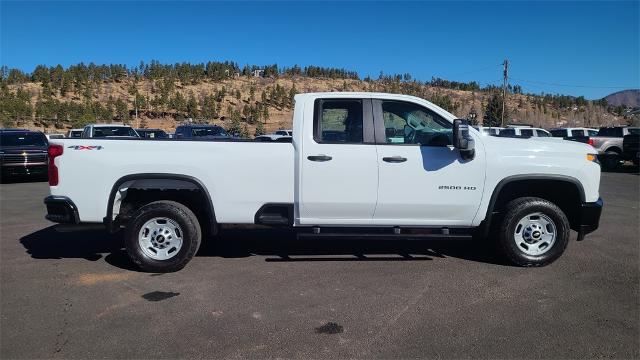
[23, 152]
[201, 132]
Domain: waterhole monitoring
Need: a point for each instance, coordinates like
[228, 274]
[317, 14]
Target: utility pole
[505, 74]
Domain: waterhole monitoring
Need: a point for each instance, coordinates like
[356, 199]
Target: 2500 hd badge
[455, 187]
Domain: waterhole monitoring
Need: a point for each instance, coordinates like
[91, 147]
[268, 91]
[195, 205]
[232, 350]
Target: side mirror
[462, 140]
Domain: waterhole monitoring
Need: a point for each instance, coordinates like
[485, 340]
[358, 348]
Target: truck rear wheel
[533, 232]
[163, 236]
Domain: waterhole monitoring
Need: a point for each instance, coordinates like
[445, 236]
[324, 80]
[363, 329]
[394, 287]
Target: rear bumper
[589, 218]
[61, 209]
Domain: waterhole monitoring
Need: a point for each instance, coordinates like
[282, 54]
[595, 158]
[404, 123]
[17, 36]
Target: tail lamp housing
[54, 151]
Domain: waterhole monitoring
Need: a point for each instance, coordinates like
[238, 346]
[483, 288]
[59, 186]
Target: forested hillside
[249, 100]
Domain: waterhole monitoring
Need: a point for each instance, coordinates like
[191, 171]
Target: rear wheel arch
[614, 149]
[162, 184]
[564, 191]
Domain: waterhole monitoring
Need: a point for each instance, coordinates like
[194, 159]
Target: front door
[423, 180]
[339, 166]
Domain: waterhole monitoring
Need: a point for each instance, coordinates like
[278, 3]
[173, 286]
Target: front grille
[24, 159]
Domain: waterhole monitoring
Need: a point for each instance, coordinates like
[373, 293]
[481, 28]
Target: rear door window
[339, 121]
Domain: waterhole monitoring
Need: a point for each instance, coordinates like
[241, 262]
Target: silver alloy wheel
[160, 238]
[535, 234]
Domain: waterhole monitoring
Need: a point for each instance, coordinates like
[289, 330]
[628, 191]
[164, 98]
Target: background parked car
[276, 135]
[109, 131]
[524, 132]
[582, 135]
[201, 132]
[54, 136]
[74, 133]
[572, 132]
[23, 152]
[486, 130]
[152, 133]
[609, 143]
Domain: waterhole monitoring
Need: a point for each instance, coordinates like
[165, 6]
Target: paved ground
[264, 295]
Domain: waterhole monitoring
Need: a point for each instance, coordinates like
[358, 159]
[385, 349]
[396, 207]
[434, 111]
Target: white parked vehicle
[109, 131]
[573, 132]
[488, 130]
[74, 133]
[276, 135]
[522, 131]
[54, 136]
[381, 164]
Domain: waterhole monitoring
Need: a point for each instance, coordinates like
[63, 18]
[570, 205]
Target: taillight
[590, 142]
[54, 151]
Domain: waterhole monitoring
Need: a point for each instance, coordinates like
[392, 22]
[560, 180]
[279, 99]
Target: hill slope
[54, 99]
[629, 98]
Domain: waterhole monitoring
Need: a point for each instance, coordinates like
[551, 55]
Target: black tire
[191, 236]
[611, 160]
[517, 210]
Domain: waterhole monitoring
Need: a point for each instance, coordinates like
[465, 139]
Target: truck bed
[240, 176]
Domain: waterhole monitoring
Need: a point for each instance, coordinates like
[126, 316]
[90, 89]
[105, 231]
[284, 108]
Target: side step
[385, 233]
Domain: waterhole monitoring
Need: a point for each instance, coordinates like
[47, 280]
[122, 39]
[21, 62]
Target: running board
[383, 236]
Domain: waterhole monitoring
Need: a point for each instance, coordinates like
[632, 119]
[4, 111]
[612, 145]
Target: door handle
[394, 159]
[320, 158]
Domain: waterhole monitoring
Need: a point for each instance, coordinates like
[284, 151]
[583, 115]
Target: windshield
[75, 133]
[559, 133]
[634, 131]
[208, 131]
[105, 131]
[23, 139]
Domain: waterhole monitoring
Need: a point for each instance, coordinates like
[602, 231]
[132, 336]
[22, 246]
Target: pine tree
[192, 106]
[259, 130]
[493, 111]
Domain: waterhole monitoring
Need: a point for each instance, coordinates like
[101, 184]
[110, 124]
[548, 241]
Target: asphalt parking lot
[266, 295]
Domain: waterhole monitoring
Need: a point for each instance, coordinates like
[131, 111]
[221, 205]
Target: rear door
[339, 166]
[423, 180]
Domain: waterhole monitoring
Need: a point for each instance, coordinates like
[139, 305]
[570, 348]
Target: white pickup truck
[359, 164]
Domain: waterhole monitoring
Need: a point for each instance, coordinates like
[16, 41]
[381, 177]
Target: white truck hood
[538, 145]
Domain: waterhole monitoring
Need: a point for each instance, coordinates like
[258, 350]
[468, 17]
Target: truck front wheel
[163, 236]
[533, 232]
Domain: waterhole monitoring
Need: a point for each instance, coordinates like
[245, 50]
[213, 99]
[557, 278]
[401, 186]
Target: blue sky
[575, 48]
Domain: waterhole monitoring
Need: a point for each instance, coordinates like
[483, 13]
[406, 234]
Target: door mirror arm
[462, 140]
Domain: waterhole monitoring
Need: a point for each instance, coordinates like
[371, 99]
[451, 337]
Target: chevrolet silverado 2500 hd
[362, 164]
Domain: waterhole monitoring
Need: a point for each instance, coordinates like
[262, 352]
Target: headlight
[593, 158]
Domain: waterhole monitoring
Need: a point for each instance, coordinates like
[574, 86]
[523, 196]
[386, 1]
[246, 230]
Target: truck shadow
[273, 245]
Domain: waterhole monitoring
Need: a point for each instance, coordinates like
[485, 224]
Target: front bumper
[24, 169]
[589, 217]
[61, 209]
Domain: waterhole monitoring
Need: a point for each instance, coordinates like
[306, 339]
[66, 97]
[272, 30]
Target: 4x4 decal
[82, 147]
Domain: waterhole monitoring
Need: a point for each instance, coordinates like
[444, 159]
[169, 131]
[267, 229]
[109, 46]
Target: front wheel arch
[564, 191]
